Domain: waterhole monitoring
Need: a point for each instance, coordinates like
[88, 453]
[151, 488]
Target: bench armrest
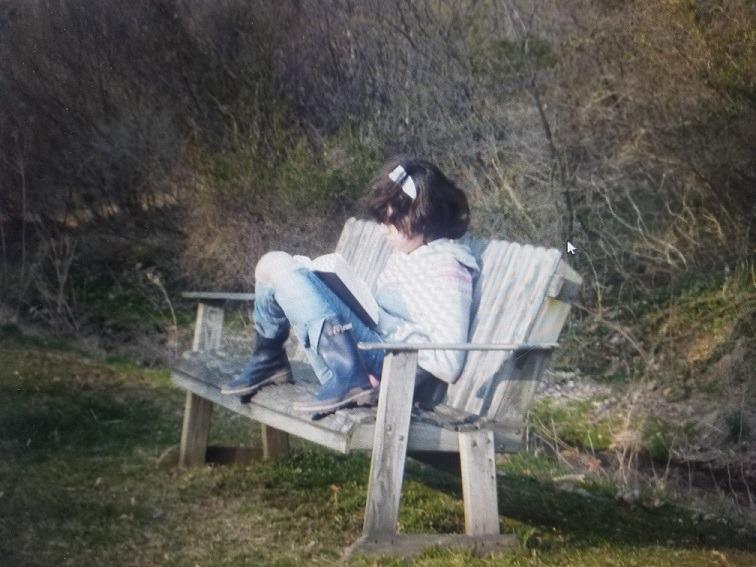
[455, 346]
[218, 296]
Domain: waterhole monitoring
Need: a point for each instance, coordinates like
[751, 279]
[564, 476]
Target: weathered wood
[390, 443]
[208, 330]
[364, 246]
[408, 545]
[345, 431]
[507, 296]
[421, 436]
[456, 346]
[513, 401]
[218, 295]
[275, 442]
[195, 429]
[565, 284]
[299, 425]
[478, 464]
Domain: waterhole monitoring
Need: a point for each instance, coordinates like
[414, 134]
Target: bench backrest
[521, 296]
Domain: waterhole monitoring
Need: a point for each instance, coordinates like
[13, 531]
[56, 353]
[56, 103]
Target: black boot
[350, 384]
[268, 365]
[429, 390]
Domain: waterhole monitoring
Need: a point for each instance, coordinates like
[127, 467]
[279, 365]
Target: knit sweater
[426, 296]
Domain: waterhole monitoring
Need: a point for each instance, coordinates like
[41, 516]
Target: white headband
[400, 175]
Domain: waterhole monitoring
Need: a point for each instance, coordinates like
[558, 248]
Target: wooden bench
[521, 301]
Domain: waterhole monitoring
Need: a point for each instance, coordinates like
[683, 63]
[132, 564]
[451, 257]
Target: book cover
[338, 275]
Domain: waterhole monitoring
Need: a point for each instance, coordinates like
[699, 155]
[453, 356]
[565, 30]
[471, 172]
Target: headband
[400, 175]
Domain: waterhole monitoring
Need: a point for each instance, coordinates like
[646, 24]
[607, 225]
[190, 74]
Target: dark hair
[439, 210]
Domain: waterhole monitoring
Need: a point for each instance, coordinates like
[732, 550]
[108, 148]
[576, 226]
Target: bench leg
[274, 441]
[478, 463]
[194, 433]
[390, 444]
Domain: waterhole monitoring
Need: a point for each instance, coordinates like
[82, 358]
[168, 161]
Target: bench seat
[346, 430]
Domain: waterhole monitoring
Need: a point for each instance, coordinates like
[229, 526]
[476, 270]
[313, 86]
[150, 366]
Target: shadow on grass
[590, 518]
[83, 423]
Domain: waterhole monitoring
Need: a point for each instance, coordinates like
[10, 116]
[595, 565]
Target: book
[334, 271]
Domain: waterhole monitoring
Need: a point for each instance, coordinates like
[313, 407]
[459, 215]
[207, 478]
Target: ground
[81, 484]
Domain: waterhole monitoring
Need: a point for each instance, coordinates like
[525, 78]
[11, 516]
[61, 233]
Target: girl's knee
[272, 265]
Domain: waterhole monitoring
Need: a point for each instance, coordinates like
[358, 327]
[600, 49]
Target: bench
[521, 301]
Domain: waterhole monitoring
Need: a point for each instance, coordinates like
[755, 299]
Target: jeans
[301, 300]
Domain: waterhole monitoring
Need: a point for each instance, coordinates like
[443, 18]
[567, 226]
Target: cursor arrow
[570, 248]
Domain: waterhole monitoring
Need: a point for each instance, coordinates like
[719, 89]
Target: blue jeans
[301, 300]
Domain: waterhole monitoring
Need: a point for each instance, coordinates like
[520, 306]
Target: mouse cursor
[570, 248]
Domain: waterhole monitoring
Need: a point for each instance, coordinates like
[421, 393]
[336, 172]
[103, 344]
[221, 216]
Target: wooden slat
[511, 404]
[498, 270]
[208, 330]
[514, 401]
[301, 426]
[218, 295]
[364, 247]
[457, 346]
[347, 430]
[215, 368]
[511, 291]
[428, 437]
[390, 443]
[195, 429]
[275, 442]
[477, 460]
[422, 436]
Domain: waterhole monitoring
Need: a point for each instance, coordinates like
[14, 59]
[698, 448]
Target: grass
[569, 422]
[79, 485]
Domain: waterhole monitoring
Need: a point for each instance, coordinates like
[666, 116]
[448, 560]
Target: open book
[339, 276]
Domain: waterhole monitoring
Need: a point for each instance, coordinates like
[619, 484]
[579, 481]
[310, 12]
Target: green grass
[660, 437]
[569, 421]
[79, 485]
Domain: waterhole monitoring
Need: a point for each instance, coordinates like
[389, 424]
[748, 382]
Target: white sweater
[426, 296]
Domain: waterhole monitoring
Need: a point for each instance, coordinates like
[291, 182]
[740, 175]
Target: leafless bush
[50, 277]
[577, 119]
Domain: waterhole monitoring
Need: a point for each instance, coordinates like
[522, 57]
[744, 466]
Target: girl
[424, 295]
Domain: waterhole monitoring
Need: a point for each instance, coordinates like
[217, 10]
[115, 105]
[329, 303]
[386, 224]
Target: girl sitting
[424, 295]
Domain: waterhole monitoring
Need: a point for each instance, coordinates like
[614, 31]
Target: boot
[429, 390]
[350, 384]
[268, 365]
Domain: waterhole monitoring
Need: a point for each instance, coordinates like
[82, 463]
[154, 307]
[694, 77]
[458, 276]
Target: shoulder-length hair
[439, 209]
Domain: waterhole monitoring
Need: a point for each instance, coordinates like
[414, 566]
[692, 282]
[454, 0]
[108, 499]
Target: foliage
[191, 137]
[569, 423]
[661, 438]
